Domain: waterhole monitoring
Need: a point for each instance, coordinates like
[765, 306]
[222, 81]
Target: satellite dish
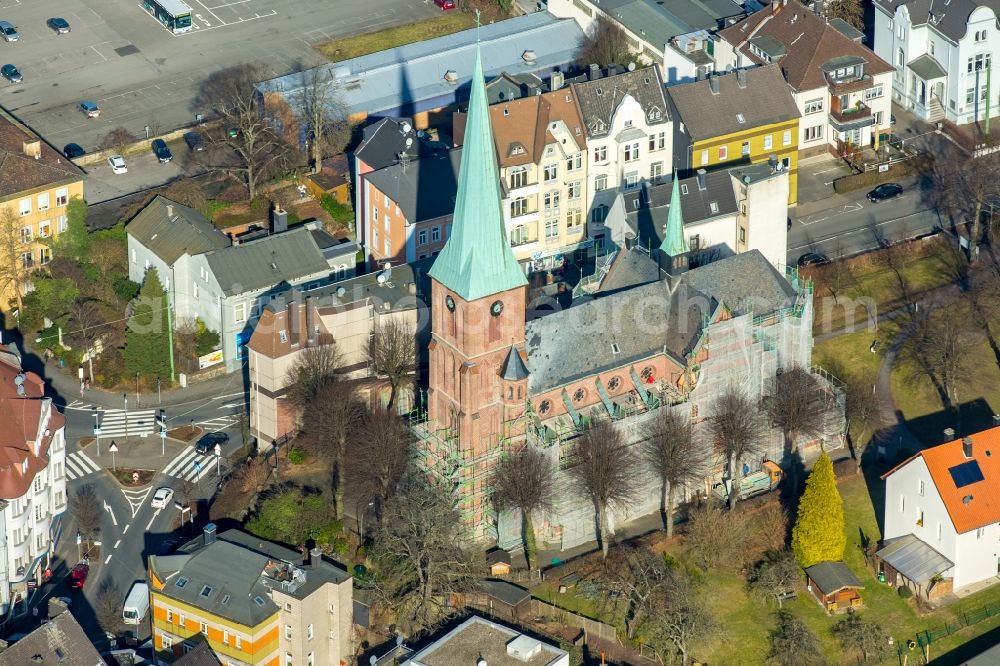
[19, 379]
[399, 639]
[341, 291]
[20, 390]
[631, 67]
[406, 127]
[382, 278]
[409, 141]
[373, 660]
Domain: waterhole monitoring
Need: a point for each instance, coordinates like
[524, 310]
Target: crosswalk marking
[220, 423]
[183, 466]
[141, 422]
[79, 464]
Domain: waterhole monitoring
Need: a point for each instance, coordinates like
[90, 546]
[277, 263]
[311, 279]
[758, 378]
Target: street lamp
[361, 521]
[158, 398]
[125, 398]
[163, 432]
[137, 389]
[97, 433]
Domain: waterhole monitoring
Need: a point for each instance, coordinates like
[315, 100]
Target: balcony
[849, 117]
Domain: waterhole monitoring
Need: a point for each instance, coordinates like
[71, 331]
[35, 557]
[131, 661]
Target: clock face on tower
[450, 303]
[496, 308]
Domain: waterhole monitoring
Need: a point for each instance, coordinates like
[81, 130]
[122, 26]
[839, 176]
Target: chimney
[310, 322]
[279, 219]
[772, 161]
[293, 317]
[32, 148]
[701, 180]
[594, 72]
[967, 447]
[629, 240]
[209, 534]
[713, 84]
[741, 78]
[612, 69]
[315, 557]
[170, 211]
[556, 80]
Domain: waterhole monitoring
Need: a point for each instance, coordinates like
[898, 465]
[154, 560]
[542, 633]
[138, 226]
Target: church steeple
[477, 260]
[674, 249]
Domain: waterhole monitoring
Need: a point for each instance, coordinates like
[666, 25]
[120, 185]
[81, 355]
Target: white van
[136, 604]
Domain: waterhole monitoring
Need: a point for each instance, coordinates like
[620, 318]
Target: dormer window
[654, 114]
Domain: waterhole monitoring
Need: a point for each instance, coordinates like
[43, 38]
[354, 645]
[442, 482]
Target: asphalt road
[142, 75]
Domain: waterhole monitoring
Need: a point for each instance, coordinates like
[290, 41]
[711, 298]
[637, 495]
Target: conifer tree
[818, 534]
[147, 346]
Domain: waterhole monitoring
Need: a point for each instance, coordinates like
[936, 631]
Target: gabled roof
[809, 40]
[927, 67]
[171, 230]
[832, 577]
[424, 189]
[972, 499]
[267, 261]
[508, 86]
[278, 322]
[385, 140]
[658, 21]
[201, 655]
[600, 98]
[951, 18]
[766, 99]
[21, 173]
[57, 642]
[20, 422]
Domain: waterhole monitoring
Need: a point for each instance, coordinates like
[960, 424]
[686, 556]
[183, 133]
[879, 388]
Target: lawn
[372, 42]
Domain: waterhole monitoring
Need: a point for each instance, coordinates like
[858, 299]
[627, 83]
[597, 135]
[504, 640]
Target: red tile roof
[983, 504]
[19, 432]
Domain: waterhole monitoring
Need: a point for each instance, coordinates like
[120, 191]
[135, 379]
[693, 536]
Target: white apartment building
[941, 56]
[32, 482]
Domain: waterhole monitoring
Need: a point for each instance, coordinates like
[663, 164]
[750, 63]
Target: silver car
[9, 32]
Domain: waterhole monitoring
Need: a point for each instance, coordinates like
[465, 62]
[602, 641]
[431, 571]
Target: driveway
[144, 172]
[816, 176]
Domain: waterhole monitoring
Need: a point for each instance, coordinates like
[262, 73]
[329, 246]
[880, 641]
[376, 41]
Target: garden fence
[927, 637]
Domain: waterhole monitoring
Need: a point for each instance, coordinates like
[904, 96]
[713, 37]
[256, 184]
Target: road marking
[126, 528]
[831, 212]
[150, 523]
[816, 241]
[836, 168]
[115, 547]
[107, 508]
[108, 559]
[136, 498]
[99, 53]
[79, 464]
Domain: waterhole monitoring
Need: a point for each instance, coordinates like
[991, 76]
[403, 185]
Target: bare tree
[424, 555]
[861, 410]
[108, 607]
[715, 537]
[964, 188]
[118, 140]
[681, 618]
[738, 431]
[84, 319]
[606, 473]
[796, 407]
[676, 457]
[632, 577]
[15, 256]
[313, 368]
[332, 415]
[255, 149]
[524, 481]
[374, 471]
[775, 576]
[868, 640]
[86, 511]
[847, 10]
[605, 43]
[392, 353]
[793, 644]
[937, 348]
[324, 113]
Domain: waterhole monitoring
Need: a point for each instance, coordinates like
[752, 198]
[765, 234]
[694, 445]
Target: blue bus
[173, 14]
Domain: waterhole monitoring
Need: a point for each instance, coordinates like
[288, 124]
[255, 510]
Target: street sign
[163, 434]
[197, 466]
[79, 538]
[113, 448]
[218, 451]
[97, 432]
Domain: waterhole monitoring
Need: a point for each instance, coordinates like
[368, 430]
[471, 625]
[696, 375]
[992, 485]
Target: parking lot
[142, 75]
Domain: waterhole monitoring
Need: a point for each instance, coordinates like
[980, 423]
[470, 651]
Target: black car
[162, 151]
[73, 150]
[207, 442]
[812, 259]
[60, 25]
[885, 191]
[194, 141]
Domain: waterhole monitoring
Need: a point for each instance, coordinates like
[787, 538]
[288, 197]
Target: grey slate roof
[927, 67]
[513, 86]
[201, 655]
[913, 558]
[649, 217]
[409, 186]
[599, 98]
[832, 576]
[631, 268]
[742, 282]
[384, 140]
[766, 99]
[954, 15]
[508, 593]
[847, 30]
[170, 237]
[267, 261]
[659, 21]
[513, 370]
[58, 642]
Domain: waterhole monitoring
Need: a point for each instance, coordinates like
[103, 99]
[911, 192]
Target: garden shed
[834, 586]
[498, 560]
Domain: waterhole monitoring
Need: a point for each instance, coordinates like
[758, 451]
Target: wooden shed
[834, 586]
[503, 600]
[498, 561]
[333, 178]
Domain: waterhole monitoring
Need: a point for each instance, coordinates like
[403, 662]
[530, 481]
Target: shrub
[340, 213]
[124, 288]
[872, 178]
[905, 592]
[296, 456]
[207, 340]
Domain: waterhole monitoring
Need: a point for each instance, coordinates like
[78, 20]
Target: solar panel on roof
[966, 473]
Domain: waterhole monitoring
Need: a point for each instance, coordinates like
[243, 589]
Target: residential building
[942, 523]
[32, 482]
[941, 53]
[480, 641]
[36, 186]
[225, 282]
[59, 640]
[498, 382]
[673, 34]
[507, 87]
[408, 208]
[841, 87]
[345, 313]
[629, 134]
[423, 79]
[725, 212]
[747, 116]
[254, 602]
[541, 147]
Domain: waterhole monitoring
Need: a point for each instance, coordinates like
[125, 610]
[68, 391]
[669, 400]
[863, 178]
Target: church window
[614, 384]
[579, 395]
[544, 407]
[648, 374]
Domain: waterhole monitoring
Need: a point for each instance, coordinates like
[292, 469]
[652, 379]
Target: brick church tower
[478, 376]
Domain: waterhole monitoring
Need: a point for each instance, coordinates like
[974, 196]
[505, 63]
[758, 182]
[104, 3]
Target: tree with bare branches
[86, 511]
[392, 353]
[605, 43]
[682, 617]
[331, 416]
[321, 106]
[861, 409]
[375, 469]
[797, 408]
[606, 472]
[964, 188]
[677, 458]
[108, 607]
[16, 259]
[424, 556]
[937, 348]
[775, 576]
[738, 432]
[118, 140]
[715, 537]
[524, 481]
[632, 578]
[314, 368]
[850, 11]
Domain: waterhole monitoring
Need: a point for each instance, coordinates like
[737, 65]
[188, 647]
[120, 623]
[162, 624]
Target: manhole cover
[127, 50]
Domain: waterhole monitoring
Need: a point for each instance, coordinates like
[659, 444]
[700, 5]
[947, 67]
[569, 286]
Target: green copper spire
[477, 261]
[673, 238]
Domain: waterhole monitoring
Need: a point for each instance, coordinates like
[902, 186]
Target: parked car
[194, 141]
[162, 151]
[9, 32]
[812, 259]
[78, 576]
[207, 442]
[117, 164]
[11, 73]
[162, 498]
[89, 109]
[885, 191]
[73, 150]
[445, 4]
[60, 25]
